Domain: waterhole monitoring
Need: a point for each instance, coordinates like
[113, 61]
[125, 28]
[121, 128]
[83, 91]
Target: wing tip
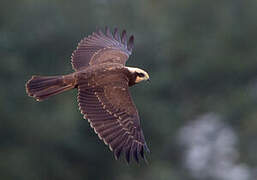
[132, 153]
[116, 34]
[124, 37]
[129, 44]
[108, 32]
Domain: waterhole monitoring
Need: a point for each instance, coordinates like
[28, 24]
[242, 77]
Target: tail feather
[42, 87]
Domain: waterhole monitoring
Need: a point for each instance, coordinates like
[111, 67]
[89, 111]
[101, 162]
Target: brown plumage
[103, 82]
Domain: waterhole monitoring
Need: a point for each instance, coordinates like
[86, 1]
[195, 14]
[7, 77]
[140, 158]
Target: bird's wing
[102, 47]
[111, 112]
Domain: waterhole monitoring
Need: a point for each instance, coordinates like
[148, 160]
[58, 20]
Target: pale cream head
[141, 74]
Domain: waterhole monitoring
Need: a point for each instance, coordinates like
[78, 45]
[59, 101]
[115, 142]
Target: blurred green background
[198, 113]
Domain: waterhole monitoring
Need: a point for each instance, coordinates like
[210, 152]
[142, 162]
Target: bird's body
[103, 82]
[103, 73]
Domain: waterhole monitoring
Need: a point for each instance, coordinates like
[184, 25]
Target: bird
[103, 81]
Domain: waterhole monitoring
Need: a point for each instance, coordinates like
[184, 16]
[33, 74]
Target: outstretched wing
[102, 47]
[111, 112]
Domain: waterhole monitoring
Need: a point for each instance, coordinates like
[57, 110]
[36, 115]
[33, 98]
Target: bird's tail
[42, 87]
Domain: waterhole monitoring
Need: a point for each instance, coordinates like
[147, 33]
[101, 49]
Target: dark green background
[201, 57]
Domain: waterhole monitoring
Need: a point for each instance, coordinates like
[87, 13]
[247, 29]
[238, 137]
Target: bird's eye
[140, 74]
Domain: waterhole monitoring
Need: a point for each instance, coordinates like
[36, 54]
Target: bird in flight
[103, 82]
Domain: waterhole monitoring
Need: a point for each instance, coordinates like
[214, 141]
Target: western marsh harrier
[103, 82]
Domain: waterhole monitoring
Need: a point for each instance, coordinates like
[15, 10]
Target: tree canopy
[200, 55]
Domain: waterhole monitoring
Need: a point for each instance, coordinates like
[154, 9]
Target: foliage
[201, 57]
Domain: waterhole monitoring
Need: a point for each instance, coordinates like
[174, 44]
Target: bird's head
[140, 74]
